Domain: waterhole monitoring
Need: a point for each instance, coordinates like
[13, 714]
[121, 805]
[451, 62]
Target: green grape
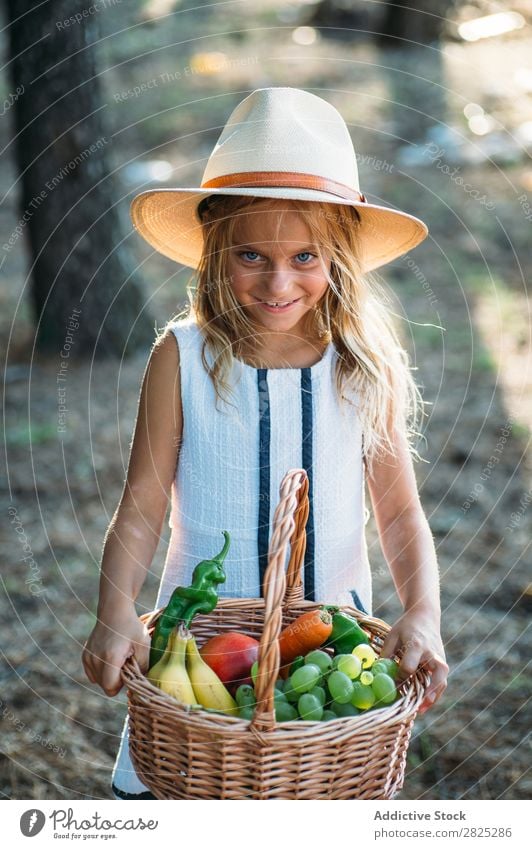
[338, 658]
[309, 708]
[384, 688]
[285, 712]
[366, 678]
[279, 697]
[245, 695]
[340, 687]
[290, 694]
[305, 678]
[246, 712]
[297, 663]
[319, 692]
[365, 654]
[254, 672]
[386, 665]
[319, 658]
[344, 709]
[327, 715]
[349, 665]
[363, 696]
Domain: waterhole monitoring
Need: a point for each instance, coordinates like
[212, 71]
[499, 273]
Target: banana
[170, 675]
[208, 689]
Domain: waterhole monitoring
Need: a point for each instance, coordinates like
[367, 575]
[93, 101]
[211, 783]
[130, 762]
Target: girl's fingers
[111, 681]
[410, 661]
[389, 646]
[438, 670]
[86, 660]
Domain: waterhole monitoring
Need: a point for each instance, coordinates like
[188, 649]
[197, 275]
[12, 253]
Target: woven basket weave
[183, 753]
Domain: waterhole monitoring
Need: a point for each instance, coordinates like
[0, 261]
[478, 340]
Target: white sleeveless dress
[231, 463]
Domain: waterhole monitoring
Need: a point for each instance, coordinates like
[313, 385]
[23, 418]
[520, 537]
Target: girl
[287, 358]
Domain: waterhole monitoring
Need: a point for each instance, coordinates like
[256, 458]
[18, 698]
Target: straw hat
[279, 142]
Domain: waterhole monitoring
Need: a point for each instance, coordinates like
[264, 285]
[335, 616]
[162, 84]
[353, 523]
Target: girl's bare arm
[408, 547]
[133, 534]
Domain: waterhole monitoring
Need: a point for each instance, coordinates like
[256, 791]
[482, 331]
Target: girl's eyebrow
[256, 249]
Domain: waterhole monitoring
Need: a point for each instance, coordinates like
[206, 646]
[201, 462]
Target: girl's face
[273, 261]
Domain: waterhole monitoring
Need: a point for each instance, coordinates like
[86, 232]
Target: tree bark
[69, 202]
[405, 27]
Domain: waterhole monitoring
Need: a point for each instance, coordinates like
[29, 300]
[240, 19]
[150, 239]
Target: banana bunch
[183, 674]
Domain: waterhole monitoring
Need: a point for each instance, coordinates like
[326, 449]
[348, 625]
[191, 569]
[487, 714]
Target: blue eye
[306, 253]
[245, 254]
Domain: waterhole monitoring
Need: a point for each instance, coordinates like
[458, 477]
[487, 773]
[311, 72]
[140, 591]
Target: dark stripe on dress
[306, 460]
[263, 524]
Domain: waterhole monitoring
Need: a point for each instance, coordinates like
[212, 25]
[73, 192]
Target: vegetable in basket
[346, 633]
[186, 602]
[307, 632]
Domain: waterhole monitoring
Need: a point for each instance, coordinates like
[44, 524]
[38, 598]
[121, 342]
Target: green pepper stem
[222, 555]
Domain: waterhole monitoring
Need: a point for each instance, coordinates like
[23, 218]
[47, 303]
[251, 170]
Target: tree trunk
[81, 267]
[404, 26]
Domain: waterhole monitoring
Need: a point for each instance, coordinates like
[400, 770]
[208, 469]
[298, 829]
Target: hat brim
[167, 219]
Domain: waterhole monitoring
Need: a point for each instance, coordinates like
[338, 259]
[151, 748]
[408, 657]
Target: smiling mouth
[278, 303]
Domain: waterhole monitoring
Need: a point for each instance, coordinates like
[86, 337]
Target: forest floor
[463, 311]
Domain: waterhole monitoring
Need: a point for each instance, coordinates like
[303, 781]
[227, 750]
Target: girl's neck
[303, 354]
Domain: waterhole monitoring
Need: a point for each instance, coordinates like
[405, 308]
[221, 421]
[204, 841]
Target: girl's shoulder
[186, 329]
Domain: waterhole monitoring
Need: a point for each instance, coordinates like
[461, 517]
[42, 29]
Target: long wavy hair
[372, 369]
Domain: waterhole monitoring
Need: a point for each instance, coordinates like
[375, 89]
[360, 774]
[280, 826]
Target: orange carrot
[307, 632]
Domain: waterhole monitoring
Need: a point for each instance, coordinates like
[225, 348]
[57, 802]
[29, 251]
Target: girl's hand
[110, 644]
[416, 638]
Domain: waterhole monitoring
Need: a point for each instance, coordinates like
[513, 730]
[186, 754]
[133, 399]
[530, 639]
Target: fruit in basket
[291, 695]
[310, 708]
[304, 634]
[346, 633]
[208, 689]
[340, 686]
[386, 665]
[285, 712]
[231, 656]
[363, 696]
[349, 665]
[170, 674]
[296, 663]
[245, 696]
[320, 694]
[305, 678]
[384, 689]
[344, 709]
[327, 715]
[321, 659]
[186, 602]
[246, 712]
[365, 654]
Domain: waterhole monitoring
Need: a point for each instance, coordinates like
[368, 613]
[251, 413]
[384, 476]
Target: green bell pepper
[346, 633]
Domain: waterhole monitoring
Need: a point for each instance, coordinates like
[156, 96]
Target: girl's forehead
[271, 225]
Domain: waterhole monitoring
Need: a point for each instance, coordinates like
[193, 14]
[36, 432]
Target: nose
[278, 282]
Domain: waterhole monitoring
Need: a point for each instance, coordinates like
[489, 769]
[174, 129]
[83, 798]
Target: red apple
[231, 656]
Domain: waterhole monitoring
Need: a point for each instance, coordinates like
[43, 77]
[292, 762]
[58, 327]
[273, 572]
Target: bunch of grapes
[321, 687]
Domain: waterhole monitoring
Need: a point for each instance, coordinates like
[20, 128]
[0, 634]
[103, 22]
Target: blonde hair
[353, 314]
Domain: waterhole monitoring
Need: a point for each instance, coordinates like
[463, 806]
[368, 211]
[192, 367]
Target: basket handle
[293, 493]
[298, 545]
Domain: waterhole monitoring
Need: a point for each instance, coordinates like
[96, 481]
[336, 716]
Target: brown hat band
[290, 179]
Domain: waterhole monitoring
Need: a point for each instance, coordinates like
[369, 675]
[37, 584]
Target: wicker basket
[183, 753]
